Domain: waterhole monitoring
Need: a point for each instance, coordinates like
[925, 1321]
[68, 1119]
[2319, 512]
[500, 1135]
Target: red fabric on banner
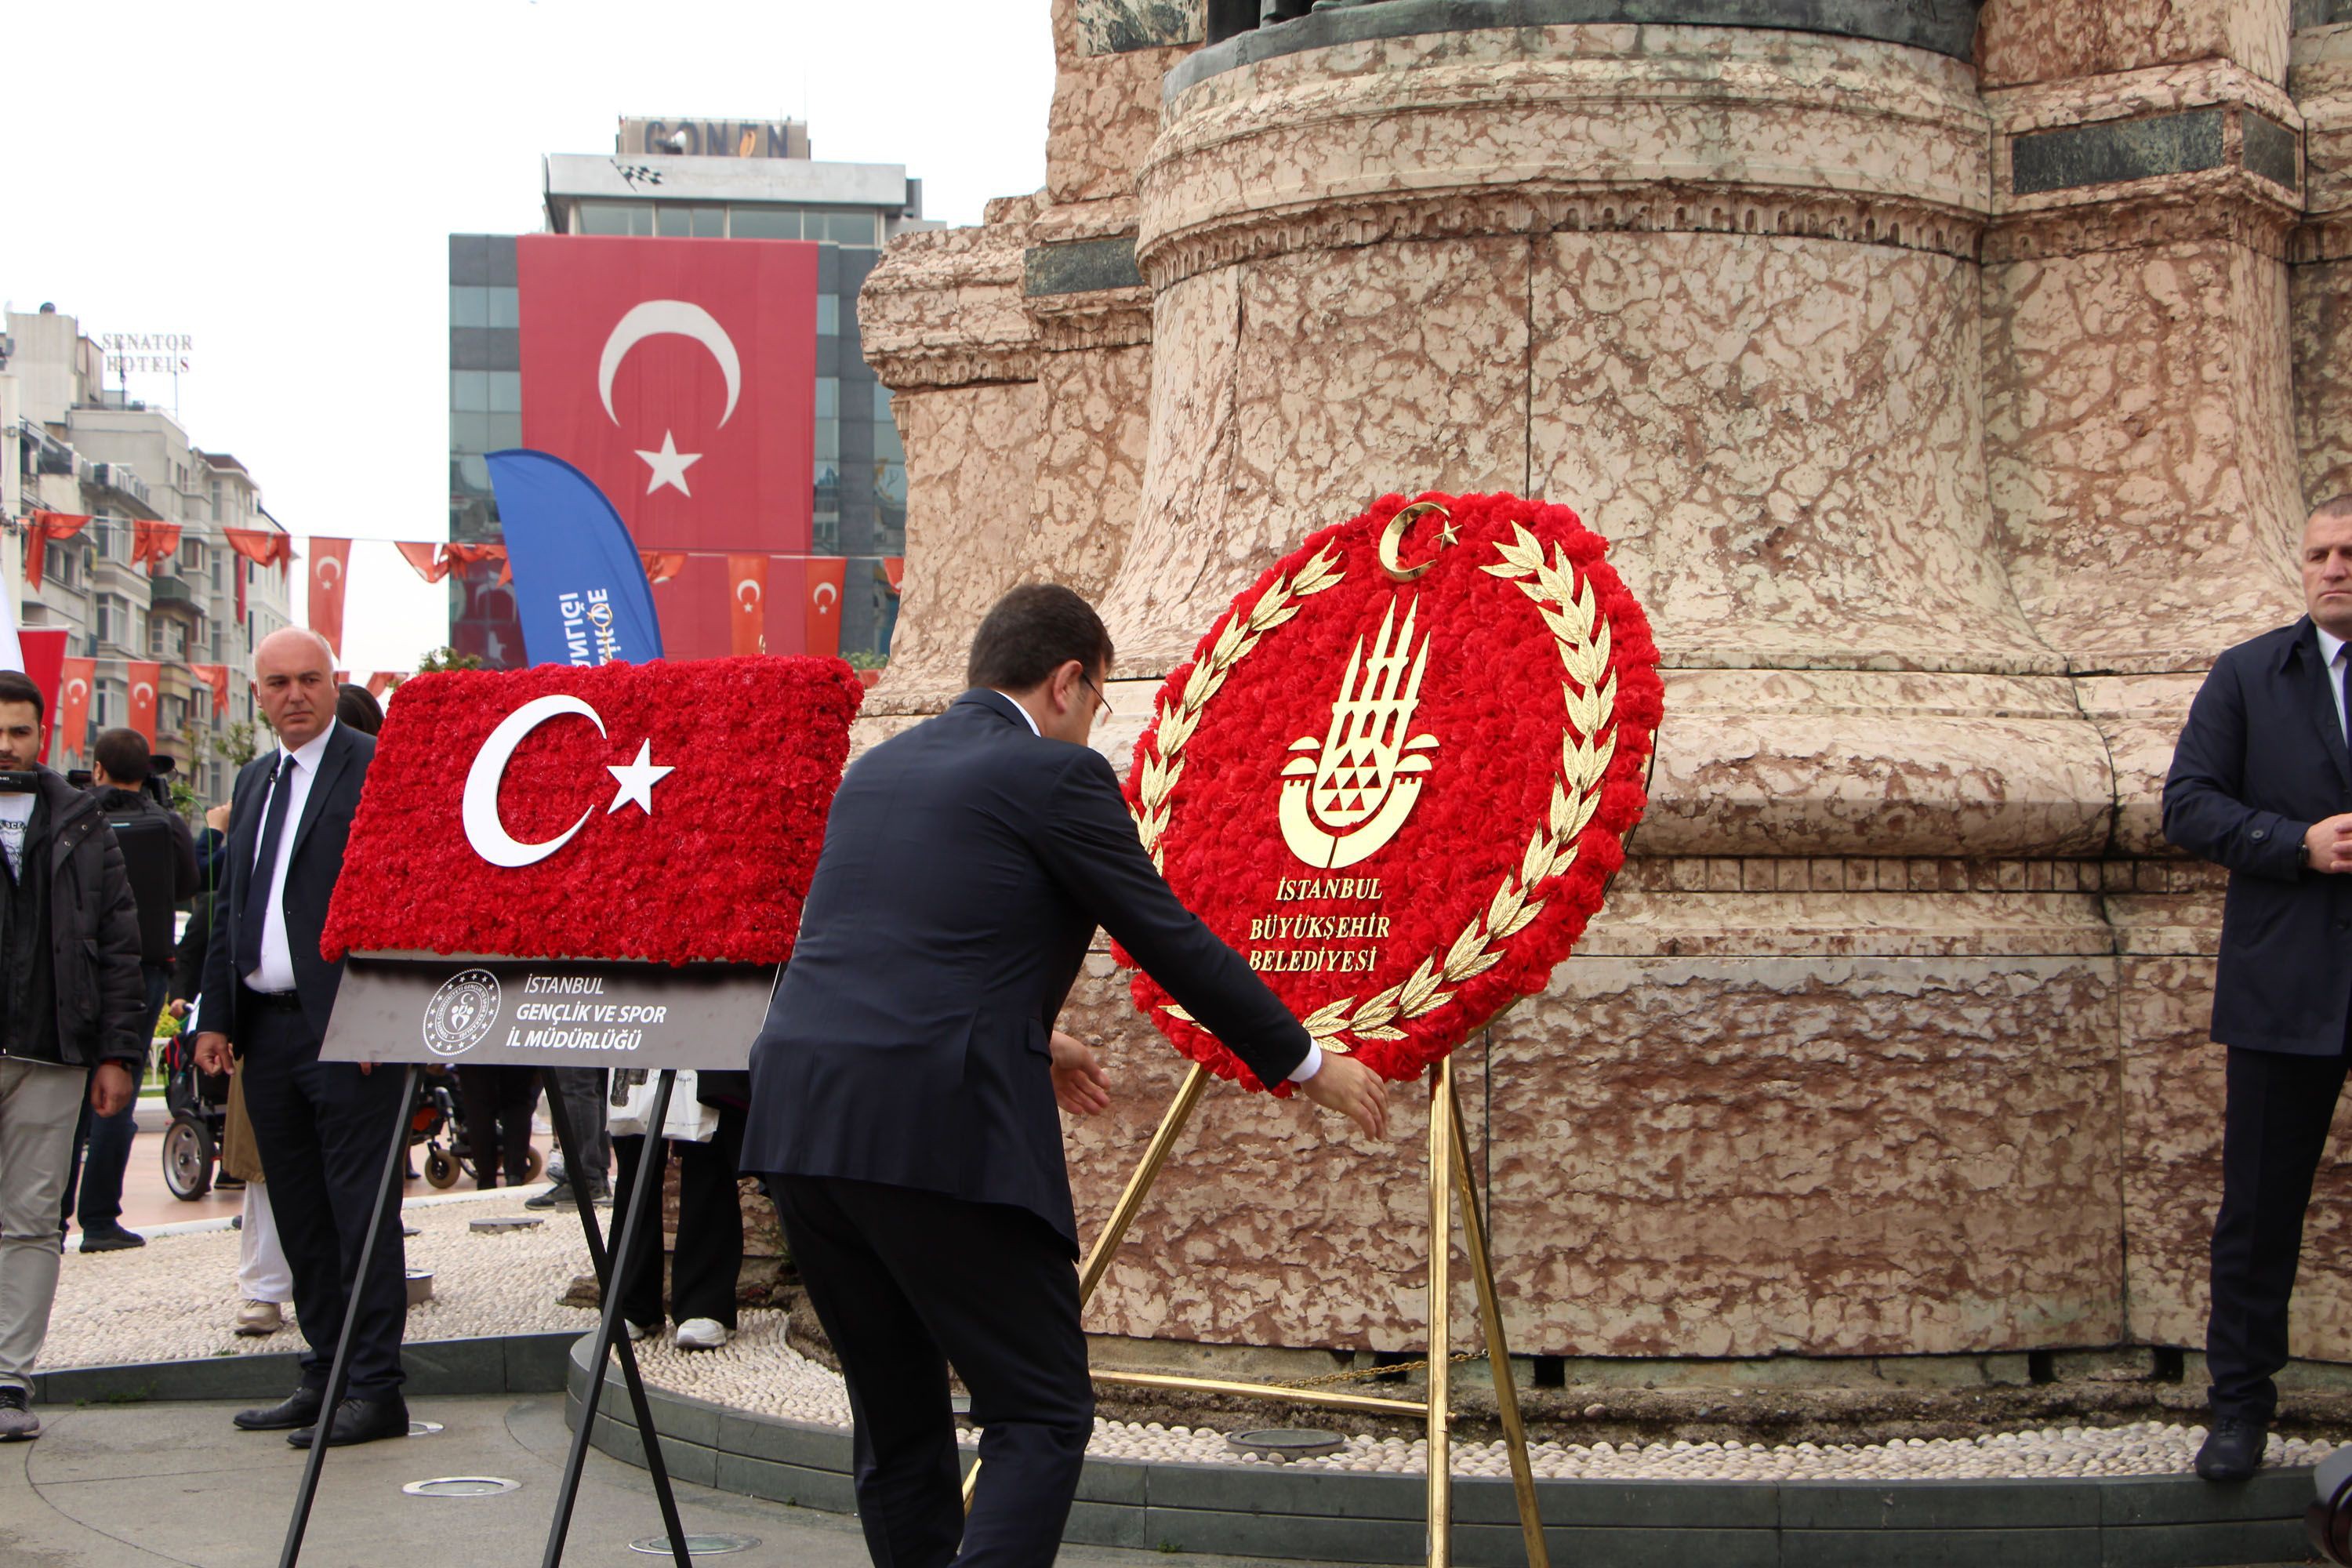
[457, 556]
[48, 526]
[661, 566]
[747, 615]
[331, 564]
[260, 545]
[44, 658]
[216, 677]
[152, 543]
[75, 677]
[821, 612]
[427, 559]
[145, 676]
[679, 377]
[896, 566]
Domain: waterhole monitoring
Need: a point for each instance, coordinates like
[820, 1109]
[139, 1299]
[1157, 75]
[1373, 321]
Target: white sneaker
[636, 1331]
[703, 1334]
[256, 1319]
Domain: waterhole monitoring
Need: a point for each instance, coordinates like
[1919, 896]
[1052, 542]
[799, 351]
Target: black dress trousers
[905, 1282]
[2272, 1135]
[709, 1258]
[323, 1130]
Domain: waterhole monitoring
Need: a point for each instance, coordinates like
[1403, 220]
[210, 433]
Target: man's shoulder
[2266, 652]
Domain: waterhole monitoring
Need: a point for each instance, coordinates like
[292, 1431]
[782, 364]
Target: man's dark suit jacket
[311, 875]
[2261, 760]
[966, 865]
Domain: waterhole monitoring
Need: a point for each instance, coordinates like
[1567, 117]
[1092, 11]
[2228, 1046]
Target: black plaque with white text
[470, 1010]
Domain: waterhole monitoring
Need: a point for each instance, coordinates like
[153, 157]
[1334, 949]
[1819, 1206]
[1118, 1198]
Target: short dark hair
[124, 756]
[1032, 631]
[357, 706]
[16, 686]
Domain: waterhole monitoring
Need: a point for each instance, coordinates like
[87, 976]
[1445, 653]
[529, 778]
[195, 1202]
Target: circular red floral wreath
[1398, 773]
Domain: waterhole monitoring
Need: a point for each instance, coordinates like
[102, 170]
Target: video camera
[155, 788]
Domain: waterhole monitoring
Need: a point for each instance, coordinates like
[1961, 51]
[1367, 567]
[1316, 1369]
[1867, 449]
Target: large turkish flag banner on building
[679, 374]
[76, 679]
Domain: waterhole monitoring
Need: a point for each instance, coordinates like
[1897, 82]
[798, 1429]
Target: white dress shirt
[1313, 1063]
[296, 770]
[2331, 653]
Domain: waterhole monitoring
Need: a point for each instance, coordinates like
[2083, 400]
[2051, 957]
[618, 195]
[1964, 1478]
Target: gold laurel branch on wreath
[1581, 636]
[1180, 717]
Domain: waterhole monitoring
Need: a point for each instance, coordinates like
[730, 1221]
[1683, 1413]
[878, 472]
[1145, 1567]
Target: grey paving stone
[785, 1442]
[2236, 1545]
[1994, 1548]
[789, 1484]
[2184, 1500]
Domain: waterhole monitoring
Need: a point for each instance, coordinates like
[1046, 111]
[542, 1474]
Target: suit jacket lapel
[2322, 703]
[330, 768]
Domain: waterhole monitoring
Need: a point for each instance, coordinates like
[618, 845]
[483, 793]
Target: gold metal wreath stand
[1449, 1173]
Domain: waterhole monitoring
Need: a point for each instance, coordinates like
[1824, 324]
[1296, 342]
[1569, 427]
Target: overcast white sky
[280, 180]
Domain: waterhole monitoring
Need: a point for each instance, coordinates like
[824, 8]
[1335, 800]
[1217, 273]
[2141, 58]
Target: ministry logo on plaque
[462, 1013]
[1398, 773]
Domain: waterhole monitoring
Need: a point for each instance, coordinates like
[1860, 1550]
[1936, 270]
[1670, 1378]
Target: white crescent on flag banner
[748, 594]
[77, 689]
[142, 692]
[656, 318]
[826, 596]
[478, 808]
[330, 570]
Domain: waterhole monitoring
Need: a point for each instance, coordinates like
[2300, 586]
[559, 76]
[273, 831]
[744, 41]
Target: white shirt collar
[1025, 719]
[2330, 644]
[311, 750]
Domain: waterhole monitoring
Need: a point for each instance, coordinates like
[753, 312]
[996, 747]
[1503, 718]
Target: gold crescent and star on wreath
[1579, 628]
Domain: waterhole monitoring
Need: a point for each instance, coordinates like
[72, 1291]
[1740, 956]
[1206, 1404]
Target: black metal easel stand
[611, 1336]
[340, 1368]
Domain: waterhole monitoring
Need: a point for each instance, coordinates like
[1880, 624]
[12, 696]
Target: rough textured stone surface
[2137, 421]
[1105, 103]
[1941, 497]
[2032, 40]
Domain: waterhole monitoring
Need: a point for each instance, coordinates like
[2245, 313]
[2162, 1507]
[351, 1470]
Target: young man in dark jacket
[72, 1019]
[161, 855]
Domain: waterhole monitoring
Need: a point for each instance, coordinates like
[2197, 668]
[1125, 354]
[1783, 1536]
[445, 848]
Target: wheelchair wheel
[440, 1167]
[188, 1155]
[535, 1167]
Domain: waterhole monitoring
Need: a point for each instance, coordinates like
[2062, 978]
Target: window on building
[828, 441]
[828, 397]
[845, 229]
[764, 222]
[825, 535]
[113, 619]
[614, 217]
[828, 315]
[674, 220]
[506, 391]
[192, 558]
[106, 702]
[890, 484]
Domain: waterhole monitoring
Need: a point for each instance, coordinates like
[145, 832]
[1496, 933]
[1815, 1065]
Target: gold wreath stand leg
[1446, 1145]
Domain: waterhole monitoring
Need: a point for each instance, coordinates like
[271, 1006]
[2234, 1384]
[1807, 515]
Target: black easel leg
[559, 1116]
[394, 1161]
[649, 1182]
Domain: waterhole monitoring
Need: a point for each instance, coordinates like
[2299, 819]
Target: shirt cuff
[1310, 1065]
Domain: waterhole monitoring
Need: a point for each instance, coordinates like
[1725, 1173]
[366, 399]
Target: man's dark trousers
[905, 1282]
[323, 1130]
[2280, 1107]
[103, 1144]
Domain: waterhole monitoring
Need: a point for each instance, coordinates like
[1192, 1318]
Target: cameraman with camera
[161, 857]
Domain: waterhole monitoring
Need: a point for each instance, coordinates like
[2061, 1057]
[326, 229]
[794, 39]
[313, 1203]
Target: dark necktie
[264, 870]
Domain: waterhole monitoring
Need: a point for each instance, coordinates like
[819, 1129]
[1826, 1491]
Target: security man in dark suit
[2262, 783]
[903, 1090]
[320, 1126]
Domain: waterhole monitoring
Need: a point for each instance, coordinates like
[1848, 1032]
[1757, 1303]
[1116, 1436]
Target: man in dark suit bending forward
[903, 1090]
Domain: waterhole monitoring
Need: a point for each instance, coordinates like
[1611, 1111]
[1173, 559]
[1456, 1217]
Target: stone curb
[1265, 1511]
[510, 1363]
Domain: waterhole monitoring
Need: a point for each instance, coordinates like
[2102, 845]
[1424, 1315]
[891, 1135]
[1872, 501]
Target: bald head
[294, 672]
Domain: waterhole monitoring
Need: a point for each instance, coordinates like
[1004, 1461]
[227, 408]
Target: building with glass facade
[848, 210]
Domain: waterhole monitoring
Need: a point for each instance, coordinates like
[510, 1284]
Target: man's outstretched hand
[1351, 1088]
[1080, 1085]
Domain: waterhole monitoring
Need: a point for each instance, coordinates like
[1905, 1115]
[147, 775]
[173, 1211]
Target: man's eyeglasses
[1100, 700]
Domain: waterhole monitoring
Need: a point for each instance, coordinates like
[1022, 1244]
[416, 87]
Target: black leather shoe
[2233, 1449]
[301, 1410]
[360, 1421]
[112, 1238]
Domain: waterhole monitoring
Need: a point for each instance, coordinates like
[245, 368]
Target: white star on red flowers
[637, 781]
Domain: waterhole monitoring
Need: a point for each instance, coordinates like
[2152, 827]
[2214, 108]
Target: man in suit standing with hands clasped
[903, 1090]
[2262, 783]
[267, 996]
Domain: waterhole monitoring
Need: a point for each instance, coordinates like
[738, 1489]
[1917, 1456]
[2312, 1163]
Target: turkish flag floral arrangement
[707, 861]
[1398, 773]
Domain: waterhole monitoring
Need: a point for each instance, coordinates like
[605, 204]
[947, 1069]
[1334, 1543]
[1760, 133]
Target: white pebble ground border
[174, 1299]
